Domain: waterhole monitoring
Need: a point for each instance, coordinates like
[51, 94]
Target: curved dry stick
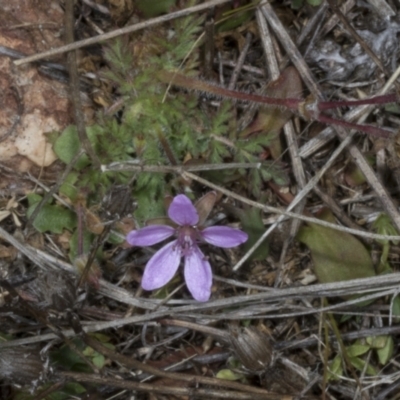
[119, 32]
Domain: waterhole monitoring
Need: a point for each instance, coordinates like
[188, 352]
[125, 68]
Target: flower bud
[252, 347]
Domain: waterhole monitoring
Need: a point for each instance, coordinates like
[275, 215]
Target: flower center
[187, 236]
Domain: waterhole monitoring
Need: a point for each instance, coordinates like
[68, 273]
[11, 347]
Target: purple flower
[186, 218]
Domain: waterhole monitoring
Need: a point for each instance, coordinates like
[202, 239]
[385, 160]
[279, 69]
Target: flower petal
[224, 236]
[161, 267]
[198, 275]
[149, 235]
[182, 211]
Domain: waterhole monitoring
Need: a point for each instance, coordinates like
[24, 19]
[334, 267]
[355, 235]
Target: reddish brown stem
[290, 103]
[369, 129]
[387, 98]
[195, 84]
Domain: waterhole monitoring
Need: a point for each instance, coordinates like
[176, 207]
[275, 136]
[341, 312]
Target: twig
[378, 284]
[334, 19]
[240, 62]
[291, 140]
[359, 334]
[166, 169]
[163, 389]
[305, 191]
[133, 363]
[74, 85]
[122, 31]
[288, 213]
[334, 207]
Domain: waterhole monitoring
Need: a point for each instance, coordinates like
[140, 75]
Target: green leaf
[68, 145]
[377, 342]
[88, 352]
[51, 218]
[314, 3]
[237, 19]
[33, 198]
[69, 390]
[296, 4]
[73, 244]
[396, 309]
[252, 224]
[384, 226]
[335, 370]
[275, 172]
[353, 175]
[337, 256]
[385, 353]
[115, 238]
[154, 8]
[69, 359]
[228, 375]
[393, 108]
[149, 206]
[360, 364]
[234, 363]
[101, 337]
[98, 360]
[356, 350]
[109, 346]
[68, 188]
[384, 346]
[5, 336]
